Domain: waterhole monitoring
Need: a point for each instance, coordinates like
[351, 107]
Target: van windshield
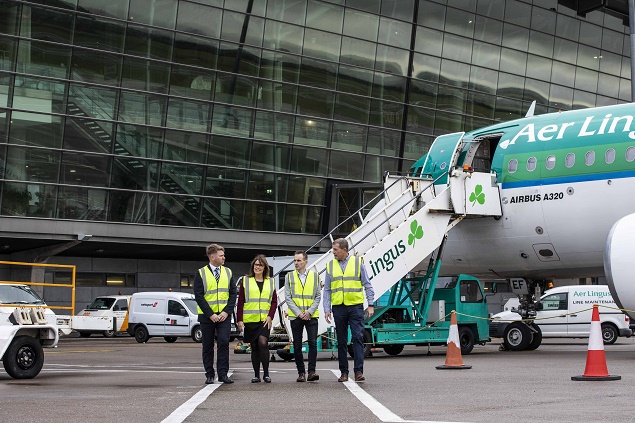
[12, 294]
[101, 303]
[191, 304]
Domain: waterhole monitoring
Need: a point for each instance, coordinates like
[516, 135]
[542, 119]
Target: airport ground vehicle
[562, 312]
[417, 313]
[115, 306]
[27, 326]
[167, 314]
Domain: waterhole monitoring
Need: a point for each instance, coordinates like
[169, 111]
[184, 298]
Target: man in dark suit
[215, 293]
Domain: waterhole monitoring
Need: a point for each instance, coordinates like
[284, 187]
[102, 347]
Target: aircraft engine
[618, 263]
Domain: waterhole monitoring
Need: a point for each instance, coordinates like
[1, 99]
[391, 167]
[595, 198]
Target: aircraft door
[552, 315]
[442, 156]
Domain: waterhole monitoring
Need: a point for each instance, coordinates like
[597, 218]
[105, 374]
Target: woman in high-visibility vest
[257, 305]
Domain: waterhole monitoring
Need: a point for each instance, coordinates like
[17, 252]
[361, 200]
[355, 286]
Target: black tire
[24, 358]
[141, 334]
[393, 349]
[84, 334]
[466, 340]
[517, 336]
[109, 333]
[367, 346]
[197, 334]
[609, 334]
[170, 339]
[536, 339]
[285, 354]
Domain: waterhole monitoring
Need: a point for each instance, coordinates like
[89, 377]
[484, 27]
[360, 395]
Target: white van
[166, 314]
[565, 312]
[111, 306]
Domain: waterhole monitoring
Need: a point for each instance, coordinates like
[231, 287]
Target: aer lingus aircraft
[567, 193]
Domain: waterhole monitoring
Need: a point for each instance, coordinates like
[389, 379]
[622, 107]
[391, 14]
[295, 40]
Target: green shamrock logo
[416, 232]
[477, 195]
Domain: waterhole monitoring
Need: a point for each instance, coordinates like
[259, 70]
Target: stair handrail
[328, 235]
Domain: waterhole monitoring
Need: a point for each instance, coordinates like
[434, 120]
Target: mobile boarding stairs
[415, 215]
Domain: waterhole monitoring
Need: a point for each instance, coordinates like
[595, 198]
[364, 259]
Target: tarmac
[119, 380]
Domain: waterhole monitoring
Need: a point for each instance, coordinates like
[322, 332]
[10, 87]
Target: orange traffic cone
[453, 358]
[596, 360]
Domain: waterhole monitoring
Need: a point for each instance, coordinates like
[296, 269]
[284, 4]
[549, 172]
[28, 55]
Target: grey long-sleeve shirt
[368, 287]
[287, 293]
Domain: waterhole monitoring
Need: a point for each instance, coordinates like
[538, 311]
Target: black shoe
[255, 380]
[267, 379]
[209, 380]
[225, 379]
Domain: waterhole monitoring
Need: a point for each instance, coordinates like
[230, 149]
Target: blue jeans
[353, 316]
[297, 327]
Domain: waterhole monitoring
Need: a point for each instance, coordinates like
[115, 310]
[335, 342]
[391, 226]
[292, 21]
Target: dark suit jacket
[199, 295]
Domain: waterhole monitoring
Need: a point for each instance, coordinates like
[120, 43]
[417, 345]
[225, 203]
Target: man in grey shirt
[303, 294]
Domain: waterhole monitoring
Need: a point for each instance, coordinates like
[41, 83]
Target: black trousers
[221, 331]
[297, 327]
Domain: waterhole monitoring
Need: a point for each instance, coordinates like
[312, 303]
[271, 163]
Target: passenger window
[512, 166]
[569, 160]
[175, 308]
[554, 302]
[470, 292]
[121, 305]
[551, 162]
[589, 158]
[531, 164]
[609, 157]
[630, 154]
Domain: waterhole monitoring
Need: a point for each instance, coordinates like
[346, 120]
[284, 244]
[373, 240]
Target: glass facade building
[240, 114]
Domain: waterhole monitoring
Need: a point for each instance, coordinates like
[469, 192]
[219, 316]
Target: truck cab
[115, 306]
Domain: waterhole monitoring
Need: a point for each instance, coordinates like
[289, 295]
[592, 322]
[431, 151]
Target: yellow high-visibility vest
[346, 287]
[257, 303]
[303, 296]
[216, 292]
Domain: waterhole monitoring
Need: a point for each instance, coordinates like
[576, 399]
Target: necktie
[216, 273]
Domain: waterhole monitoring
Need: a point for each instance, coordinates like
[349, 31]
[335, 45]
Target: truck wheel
[466, 339]
[170, 339]
[536, 340]
[108, 333]
[284, 354]
[393, 349]
[517, 336]
[141, 334]
[609, 334]
[197, 334]
[84, 334]
[24, 358]
[367, 346]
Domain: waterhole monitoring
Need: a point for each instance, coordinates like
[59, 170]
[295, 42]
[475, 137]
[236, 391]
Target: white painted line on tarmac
[183, 412]
[377, 408]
